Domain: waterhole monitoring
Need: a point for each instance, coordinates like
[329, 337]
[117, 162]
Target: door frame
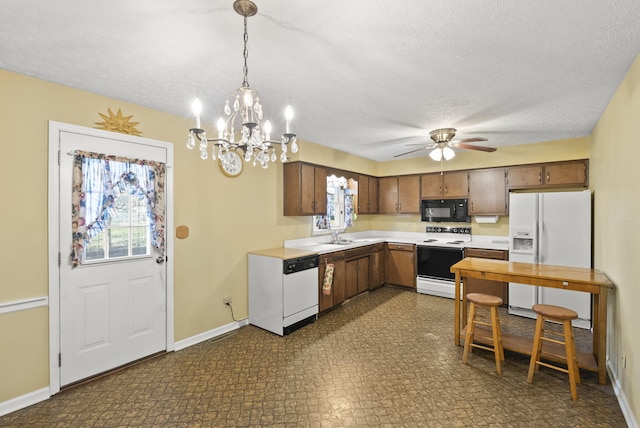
[54, 256]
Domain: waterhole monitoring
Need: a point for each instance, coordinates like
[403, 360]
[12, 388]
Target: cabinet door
[566, 174]
[363, 195]
[363, 274]
[377, 268]
[320, 190]
[308, 190]
[401, 265]
[351, 286]
[431, 186]
[388, 195]
[373, 195]
[522, 177]
[477, 285]
[339, 282]
[455, 184]
[409, 194]
[487, 192]
[324, 302]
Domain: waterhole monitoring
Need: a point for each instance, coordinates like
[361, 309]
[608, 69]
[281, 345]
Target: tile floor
[385, 359]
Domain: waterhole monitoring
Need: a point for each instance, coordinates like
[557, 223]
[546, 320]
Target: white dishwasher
[283, 289]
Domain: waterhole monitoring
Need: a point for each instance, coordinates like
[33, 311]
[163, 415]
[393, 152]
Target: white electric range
[441, 248]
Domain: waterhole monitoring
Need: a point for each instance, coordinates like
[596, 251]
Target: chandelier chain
[245, 53]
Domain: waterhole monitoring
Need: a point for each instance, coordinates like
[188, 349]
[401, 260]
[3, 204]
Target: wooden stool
[492, 302]
[564, 316]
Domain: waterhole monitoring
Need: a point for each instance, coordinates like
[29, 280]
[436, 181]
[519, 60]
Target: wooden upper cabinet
[556, 174]
[367, 195]
[519, 177]
[488, 192]
[399, 195]
[305, 189]
[567, 174]
[446, 185]
[374, 208]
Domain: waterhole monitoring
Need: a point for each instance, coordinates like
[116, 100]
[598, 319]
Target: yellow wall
[613, 177]
[227, 217]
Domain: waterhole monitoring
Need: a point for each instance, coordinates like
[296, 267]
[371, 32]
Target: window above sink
[341, 194]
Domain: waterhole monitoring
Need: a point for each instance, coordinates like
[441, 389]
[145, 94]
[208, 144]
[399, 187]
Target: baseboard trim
[194, 340]
[43, 394]
[23, 401]
[622, 398]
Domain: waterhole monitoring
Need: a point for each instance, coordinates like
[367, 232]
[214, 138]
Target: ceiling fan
[443, 144]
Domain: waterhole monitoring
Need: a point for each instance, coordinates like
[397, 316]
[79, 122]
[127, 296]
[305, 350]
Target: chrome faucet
[335, 237]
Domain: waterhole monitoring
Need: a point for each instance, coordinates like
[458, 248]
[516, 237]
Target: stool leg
[574, 374]
[497, 345]
[537, 347]
[469, 336]
[499, 335]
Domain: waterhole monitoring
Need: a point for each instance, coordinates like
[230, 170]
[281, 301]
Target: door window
[117, 207]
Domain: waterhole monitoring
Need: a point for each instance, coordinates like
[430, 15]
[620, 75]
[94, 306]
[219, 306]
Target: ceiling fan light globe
[448, 153]
[436, 154]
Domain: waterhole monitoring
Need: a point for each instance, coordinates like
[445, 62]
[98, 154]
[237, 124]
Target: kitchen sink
[343, 242]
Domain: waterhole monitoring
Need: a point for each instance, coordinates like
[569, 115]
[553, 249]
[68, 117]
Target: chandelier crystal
[242, 128]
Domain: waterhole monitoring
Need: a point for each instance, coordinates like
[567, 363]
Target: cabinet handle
[548, 177]
[540, 177]
[445, 190]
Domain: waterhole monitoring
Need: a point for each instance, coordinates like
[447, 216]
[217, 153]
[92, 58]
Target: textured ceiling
[364, 76]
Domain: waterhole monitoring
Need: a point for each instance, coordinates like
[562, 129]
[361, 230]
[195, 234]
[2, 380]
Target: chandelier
[242, 130]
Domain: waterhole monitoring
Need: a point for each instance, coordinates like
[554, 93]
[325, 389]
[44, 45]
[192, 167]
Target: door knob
[160, 260]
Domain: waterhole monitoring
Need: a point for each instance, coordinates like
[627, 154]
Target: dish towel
[328, 279]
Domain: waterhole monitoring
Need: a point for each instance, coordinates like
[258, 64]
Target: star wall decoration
[118, 123]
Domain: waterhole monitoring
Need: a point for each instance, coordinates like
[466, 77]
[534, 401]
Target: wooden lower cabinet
[377, 266]
[338, 289]
[477, 285]
[357, 266]
[400, 262]
[357, 276]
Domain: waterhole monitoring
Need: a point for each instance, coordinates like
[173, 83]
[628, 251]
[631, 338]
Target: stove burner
[455, 242]
[430, 240]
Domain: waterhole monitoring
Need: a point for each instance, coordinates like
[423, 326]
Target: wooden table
[563, 277]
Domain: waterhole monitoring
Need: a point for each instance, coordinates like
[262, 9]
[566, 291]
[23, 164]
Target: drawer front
[400, 247]
[485, 254]
[330, 257]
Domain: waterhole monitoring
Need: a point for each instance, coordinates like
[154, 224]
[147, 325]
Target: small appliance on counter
[283, 289]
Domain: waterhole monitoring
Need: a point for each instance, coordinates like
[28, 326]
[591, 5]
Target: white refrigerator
[552, 228]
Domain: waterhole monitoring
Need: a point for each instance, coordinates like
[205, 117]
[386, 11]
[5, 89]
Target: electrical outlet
[226, 300]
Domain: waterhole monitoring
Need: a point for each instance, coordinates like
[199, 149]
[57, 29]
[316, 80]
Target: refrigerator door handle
[536, 244]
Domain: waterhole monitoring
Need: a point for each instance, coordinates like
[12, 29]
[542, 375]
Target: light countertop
[322, 244]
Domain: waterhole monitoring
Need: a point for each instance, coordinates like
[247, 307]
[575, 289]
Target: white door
[111, 312]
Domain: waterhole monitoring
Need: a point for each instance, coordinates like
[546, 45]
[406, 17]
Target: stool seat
[555, 312]
[490, 302]
[484, 299]
[560, 315]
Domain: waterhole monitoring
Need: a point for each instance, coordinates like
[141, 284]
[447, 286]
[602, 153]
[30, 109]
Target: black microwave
[445, 210]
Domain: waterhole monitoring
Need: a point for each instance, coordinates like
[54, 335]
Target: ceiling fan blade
[470, 140]
[412, 151]
[473, 147]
